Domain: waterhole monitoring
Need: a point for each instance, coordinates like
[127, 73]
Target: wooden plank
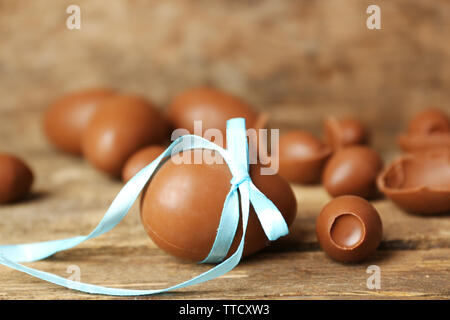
[70, 198]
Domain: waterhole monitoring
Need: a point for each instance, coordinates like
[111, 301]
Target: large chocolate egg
[212, 107]
[352, 171]
[302, 157]
[16, 178]
[122, 125]
[182, 206]
[66, 119]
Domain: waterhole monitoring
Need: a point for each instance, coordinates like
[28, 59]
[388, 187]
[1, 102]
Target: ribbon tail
[272, 221]
[226, 231]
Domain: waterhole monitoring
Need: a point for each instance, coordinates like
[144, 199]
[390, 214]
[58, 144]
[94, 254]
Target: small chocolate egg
[352, 171]
[16, 178]
[349, 229]
[139, 160]
[182, 206]
[66, 119]
[429, 121]
[212, 107]
[339, 133]
[122, 125]
[419, 182]
[302, 157]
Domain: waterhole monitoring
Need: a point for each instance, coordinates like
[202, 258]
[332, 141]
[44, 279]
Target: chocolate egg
[352, 171]
[427, 130]
[213, 108]
[182, 206]
[139, 160]
[302, 157]
[66, 119]
[16, 178]
[349, 229]
[344, 132]
[419, 183]
[429, 121]
[122, 125]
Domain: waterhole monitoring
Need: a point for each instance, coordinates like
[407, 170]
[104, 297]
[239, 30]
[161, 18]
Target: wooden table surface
[69, 198]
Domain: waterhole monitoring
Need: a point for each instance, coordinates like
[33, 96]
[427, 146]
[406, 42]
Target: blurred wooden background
[300, 60]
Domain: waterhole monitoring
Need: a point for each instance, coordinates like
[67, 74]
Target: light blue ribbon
[236, 156]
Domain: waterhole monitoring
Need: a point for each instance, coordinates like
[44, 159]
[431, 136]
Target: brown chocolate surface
[139, 160]
[349, 229]
[211, 106]
[427, 130]
[66, 118]
[343, 132]
[302, 157]
[352, 171]
[419, 183]
[122, 125]
[16, 178]
[182, 205]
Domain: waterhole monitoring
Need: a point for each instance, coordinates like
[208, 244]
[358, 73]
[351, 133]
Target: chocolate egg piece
[212, 107]
[349, 229]
[429, 121]
[139, 160]
[302, 157]
[352, 171]
[122, 125]
[419, 182]
[182, 206]
[66, 118]
[428, 129]
[344, 132]
[16, 178]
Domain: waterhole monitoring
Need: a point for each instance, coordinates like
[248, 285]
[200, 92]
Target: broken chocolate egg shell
[428, 129]
[419, 183]
[349, 229]
[182, 206]
[417, 142]
[429, 121]
[302, 157]
[343, 132]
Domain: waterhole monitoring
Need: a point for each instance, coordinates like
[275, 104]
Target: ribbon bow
[236, 156]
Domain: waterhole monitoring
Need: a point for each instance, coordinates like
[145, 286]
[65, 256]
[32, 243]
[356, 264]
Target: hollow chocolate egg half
[349, 229]
[302, 157]
[182, 206]
[428, 129]
[343, 132]
[419, 182]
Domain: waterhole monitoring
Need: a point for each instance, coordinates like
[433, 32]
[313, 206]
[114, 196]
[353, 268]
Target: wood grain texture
[298, 60]
[70, 198]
